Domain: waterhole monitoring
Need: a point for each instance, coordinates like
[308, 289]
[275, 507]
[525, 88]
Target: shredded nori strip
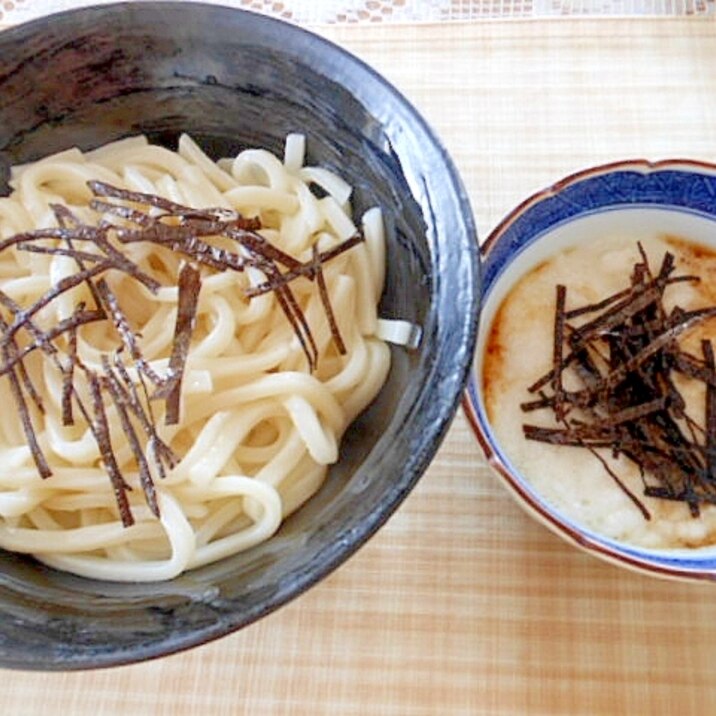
[326, 301]
[163, 453]
[130, 340]
[308, 269]
[43, 340]
[257, 244]
[100, 430]
[65, 284]
[99, 188]
[122, 211]
[623, 358]
[119, 397]
[189, 287]
[8, 349]
[171, 208]
[184, 241]
[558, 353]
[708, 352]
[296, 318]
[68, 372]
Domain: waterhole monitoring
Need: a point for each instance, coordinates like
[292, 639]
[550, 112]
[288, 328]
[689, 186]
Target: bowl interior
[232, 79]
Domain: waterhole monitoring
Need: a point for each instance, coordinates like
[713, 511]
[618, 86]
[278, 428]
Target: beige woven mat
[461, 604]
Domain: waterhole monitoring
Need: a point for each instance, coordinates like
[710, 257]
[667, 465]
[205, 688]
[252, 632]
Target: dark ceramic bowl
[233, 79]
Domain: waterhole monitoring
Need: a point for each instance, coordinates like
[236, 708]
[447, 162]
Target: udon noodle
[258, 428]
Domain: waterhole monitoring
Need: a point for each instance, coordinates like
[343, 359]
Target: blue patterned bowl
[635, 197]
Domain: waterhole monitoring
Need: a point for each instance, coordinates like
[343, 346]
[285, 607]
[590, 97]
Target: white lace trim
[315, 12]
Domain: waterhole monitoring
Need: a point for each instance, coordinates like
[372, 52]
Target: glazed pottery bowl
[232, 80]
[634, 200]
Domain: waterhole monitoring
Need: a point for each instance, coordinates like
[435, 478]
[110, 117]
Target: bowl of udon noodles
[238, 288]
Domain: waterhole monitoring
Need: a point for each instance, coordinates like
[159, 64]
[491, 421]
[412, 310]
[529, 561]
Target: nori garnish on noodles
[185, 230]
[189, 287]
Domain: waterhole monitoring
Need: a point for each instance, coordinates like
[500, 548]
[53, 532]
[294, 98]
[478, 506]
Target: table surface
[462, 604]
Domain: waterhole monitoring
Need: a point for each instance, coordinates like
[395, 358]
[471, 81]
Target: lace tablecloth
[313, 12]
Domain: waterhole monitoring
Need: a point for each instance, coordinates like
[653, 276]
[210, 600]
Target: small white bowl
[635, 197]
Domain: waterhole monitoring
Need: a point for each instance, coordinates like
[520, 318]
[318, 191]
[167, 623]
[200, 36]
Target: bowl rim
[454, 361]
[641, 166]
[611, 551]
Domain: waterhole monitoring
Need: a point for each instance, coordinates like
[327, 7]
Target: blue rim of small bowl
[682, 185]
